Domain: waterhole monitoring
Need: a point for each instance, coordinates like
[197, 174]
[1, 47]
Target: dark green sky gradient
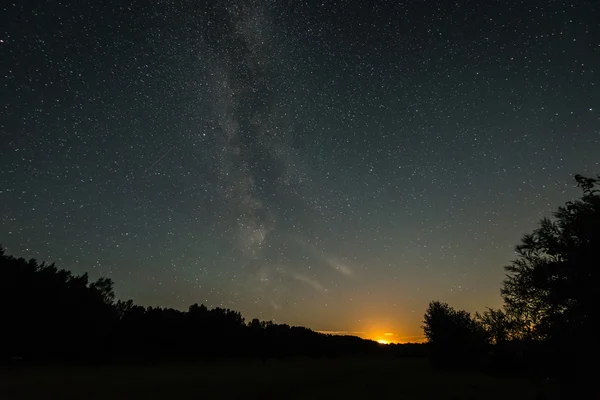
[336, 165]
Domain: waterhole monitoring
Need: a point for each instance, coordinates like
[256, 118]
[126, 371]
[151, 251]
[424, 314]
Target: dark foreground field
[287, 379]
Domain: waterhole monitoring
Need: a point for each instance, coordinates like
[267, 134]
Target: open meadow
[344, 378]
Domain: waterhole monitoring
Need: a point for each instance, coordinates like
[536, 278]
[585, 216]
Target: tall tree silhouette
[551, 290]
[553, 284]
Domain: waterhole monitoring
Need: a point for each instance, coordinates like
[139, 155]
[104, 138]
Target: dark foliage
[49, 313]
[551, 289]
[453, 335]
[548, 324]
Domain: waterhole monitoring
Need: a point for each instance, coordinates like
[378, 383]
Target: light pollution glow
[382, 338]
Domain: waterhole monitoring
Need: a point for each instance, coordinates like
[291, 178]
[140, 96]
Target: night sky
[335, 165]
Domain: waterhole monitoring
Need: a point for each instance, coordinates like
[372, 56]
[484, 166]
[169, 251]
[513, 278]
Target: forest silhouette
[547, 326]
[51, 314]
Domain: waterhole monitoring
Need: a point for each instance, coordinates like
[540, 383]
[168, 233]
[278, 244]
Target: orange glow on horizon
[385, 337]
[379, 336]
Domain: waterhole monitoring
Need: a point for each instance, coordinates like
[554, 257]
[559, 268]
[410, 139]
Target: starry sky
[332, 164]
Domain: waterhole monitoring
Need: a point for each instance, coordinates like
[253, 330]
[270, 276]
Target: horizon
[329, 166]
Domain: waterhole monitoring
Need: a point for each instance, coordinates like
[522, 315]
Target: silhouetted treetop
[552, 287]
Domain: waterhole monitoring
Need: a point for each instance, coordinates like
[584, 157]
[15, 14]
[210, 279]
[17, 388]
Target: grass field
[353, 378]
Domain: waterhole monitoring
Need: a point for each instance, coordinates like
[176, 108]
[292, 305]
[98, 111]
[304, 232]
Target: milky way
[331, 164]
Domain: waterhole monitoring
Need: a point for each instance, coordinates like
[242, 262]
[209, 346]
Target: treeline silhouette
[549, 323]
[50, 314]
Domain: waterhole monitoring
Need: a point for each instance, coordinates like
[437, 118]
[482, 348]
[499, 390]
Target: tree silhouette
[497, 324]
[453, 335]
[48, 312]
[552, 288]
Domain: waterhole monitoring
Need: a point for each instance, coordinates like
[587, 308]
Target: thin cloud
[332, 261]
[337, 265]
[312, 282]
